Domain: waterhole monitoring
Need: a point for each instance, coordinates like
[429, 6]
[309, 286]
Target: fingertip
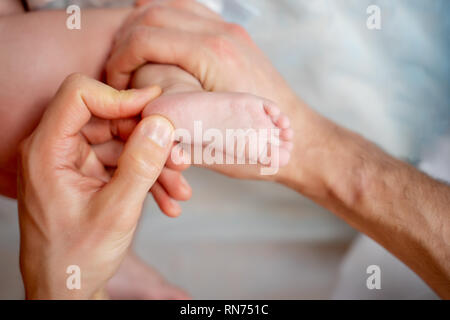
[152, 92]
[171, 208]
[141, 96]
[175, 210]
[166, 204]
[185, 189]
[159, 130]
[181, 193]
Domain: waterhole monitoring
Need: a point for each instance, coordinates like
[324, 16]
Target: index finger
[157, 45]
[80, 97]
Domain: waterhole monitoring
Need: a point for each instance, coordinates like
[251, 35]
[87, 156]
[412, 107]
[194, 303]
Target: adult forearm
[399, 207]
[405, 211]
[38, 52]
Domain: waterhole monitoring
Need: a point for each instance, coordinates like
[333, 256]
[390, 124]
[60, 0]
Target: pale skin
[183, 101]
[33, 48]
[399, 207]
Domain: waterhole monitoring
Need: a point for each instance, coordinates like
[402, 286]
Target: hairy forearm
[407, 212]
[38, 52]
[401, 208]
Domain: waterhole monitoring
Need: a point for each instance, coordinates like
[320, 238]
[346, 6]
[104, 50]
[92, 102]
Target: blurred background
[240, 239]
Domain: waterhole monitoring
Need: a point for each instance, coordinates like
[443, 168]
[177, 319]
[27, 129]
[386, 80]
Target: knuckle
[122, 97]
[236, 30]
[220, 45]
[153, 14]
[144, 166]
[138, 33]
[136, 37]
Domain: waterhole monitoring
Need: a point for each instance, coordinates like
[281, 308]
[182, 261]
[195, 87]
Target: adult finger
[158, 45]
[98, 131]
[179, 158]
[80, 97]
[165, 14]
[109, 152]
[175, 185]
[169, 17]
[141, 162]
[168, 206]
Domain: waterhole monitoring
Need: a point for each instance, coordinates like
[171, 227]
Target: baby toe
[272, 111]
[283, 122]
[287, 134]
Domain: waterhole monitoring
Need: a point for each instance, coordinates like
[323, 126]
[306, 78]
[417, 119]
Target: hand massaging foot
[238, 115]
[231, 116]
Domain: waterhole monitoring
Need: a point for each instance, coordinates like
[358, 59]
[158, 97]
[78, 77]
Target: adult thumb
[141, 162]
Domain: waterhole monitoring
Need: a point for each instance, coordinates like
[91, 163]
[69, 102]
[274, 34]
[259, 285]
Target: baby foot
[230, 111]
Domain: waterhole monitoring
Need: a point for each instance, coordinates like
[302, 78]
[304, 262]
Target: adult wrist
[328, 162]
[46, 278]
[312, 150]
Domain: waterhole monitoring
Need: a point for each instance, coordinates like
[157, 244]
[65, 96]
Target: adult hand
[108, 138]
[185, 33]
[219, 54]
[70, 212]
